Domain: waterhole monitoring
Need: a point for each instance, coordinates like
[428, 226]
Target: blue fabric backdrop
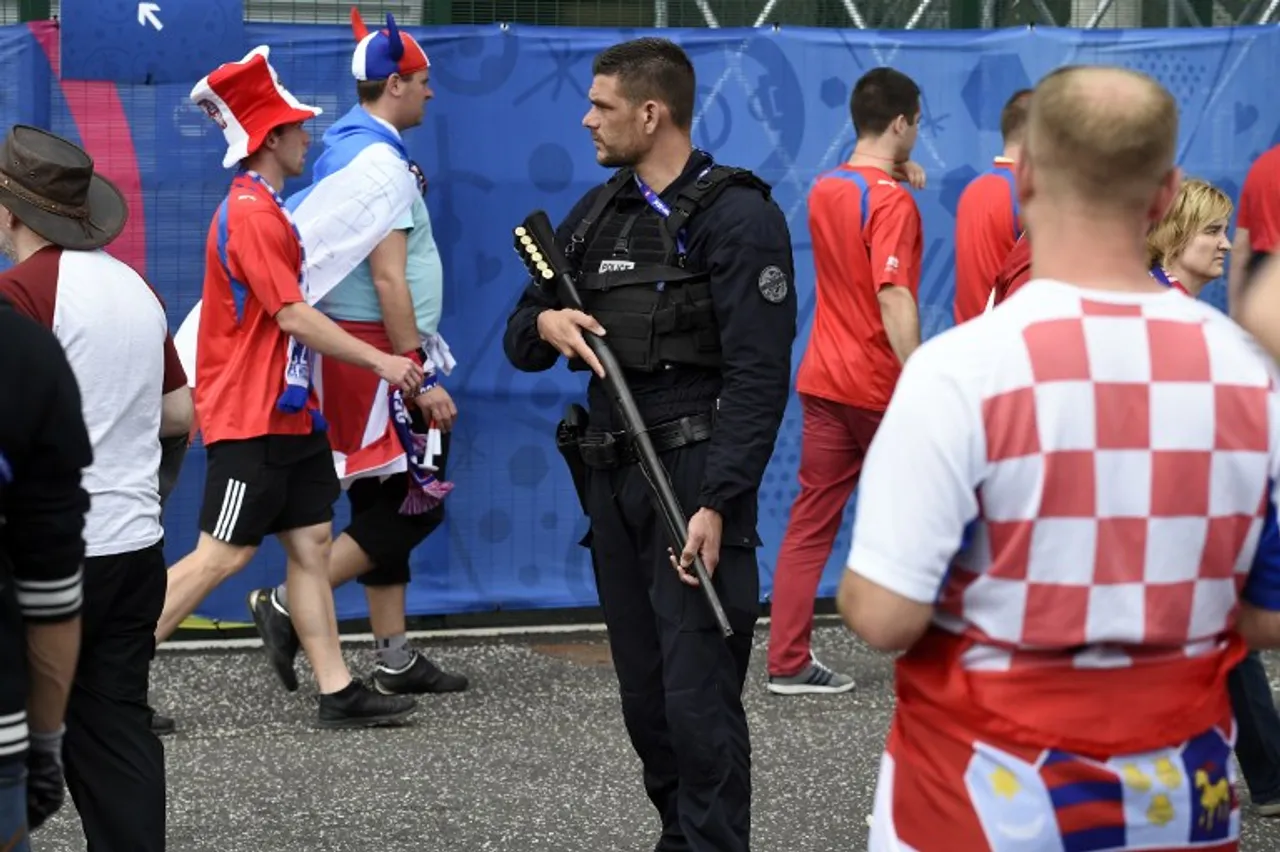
[503, 136]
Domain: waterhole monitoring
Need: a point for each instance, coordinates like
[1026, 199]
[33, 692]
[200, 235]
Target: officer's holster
[611, 450]
[569, 433]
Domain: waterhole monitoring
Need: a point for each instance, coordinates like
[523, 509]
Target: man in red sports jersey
[1070, 509]
[270, 466]
[988, 222]
[1257, 222]
[865, 326]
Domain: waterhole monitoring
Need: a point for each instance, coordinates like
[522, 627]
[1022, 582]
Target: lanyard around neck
[661, 207]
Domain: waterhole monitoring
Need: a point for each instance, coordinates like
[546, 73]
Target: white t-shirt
[114, 331]
[1078, 472]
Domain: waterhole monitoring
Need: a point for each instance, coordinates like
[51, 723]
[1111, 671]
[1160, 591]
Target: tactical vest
[634, 275]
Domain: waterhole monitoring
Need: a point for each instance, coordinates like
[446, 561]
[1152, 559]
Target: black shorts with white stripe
[260, 486]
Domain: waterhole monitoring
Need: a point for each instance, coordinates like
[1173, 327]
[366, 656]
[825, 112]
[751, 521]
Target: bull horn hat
[381, 53]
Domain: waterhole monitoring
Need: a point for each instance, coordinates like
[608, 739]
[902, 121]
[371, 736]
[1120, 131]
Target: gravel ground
[532, 758]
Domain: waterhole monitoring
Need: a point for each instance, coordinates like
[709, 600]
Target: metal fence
[862, 14]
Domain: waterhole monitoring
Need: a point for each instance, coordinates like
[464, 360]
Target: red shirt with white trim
[241, 351]
[848, 358]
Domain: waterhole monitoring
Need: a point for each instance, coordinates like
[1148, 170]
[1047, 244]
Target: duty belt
[609, 450]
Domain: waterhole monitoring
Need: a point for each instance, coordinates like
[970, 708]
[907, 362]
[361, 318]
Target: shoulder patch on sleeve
[773, 284]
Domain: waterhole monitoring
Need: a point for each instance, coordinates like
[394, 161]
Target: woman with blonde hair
[1188, 247]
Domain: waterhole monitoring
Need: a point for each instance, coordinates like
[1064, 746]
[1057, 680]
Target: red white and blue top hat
[384, 52]
[245, 99]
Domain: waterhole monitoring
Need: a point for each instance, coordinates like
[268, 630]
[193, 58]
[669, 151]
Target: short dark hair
[880, 96]
[368, 91]
[651, 69]
[1013, 118]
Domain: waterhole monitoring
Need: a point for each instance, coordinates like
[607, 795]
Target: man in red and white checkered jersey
[1059, 517]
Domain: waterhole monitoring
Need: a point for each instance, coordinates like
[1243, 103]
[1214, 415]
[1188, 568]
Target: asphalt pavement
[532, 758]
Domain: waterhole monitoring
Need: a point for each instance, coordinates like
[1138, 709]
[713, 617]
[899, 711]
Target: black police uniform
[699, 308]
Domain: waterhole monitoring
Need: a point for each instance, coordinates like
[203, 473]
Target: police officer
[685, 266]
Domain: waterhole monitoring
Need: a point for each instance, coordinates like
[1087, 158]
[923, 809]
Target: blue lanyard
[661, 207]
[302, 249]
[1157, 272]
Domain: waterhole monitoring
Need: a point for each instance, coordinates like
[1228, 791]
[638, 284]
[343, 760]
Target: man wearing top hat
[56, 215]
[385, 287]
[269, 463]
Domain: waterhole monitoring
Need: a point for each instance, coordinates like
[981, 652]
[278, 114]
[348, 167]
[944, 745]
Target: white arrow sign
[147, 15]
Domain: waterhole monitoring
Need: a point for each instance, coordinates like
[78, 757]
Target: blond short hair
[1106, 135]
[1197, 203]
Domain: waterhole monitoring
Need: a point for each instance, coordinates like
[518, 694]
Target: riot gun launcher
[536, 245]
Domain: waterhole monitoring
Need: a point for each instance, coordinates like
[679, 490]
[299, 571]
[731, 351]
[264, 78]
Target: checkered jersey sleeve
[917, 492]
[1262, 588]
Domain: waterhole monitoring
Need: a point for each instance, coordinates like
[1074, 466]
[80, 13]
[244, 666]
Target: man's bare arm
[901, 320]
[1260, 628]
[1259, 311]
[387, 264]
[322, 334]
[1241, 251]
[885, 620]
[257, 255]
[177, 412]
[52, 653]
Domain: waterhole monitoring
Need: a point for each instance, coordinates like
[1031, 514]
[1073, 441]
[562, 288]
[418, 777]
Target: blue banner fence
[503, 137]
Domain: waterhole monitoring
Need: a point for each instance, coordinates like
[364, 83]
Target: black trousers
[1257, 729]
[681, 680]
[114, 763]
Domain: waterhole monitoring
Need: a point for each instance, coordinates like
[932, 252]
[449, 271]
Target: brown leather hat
[49, 184]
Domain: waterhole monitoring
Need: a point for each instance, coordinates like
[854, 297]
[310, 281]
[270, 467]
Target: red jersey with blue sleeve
[866, 236]
[988, 224]
[252, 265]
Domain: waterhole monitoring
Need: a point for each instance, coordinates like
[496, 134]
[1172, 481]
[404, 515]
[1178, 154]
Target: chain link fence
[863, 14]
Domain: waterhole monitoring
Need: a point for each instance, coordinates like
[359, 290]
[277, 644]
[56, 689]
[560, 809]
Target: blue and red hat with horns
[384, 52]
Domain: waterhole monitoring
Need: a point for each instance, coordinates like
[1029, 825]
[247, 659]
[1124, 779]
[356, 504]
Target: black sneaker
[361, 707]
[162, 725]
[419, 677]
[278, 637]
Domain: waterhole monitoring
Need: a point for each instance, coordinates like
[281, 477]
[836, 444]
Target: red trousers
[834, 442]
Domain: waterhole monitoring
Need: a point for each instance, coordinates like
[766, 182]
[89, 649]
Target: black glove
[45, 788]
